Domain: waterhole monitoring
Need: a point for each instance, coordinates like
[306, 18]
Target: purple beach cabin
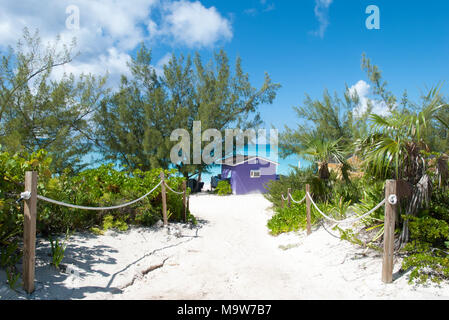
[249, 175]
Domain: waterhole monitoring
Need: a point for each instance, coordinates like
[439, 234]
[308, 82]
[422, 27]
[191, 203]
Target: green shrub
[290, 219]
[298, 179]
[427, 252]
[347, 191]
[223, 188]
[334, 197]
[103, 186]
[12, 276]
[9, 256]
[427, 265]
[58, 249]
[97, 231]
[110, 223]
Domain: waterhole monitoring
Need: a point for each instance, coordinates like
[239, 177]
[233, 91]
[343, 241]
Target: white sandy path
[236, 258]
[233, 257]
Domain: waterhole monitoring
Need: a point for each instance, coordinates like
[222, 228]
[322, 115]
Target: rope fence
[172, 189]
[392, 193]
[352, 220]
[68, 205]
[297, 202]
[30, 197]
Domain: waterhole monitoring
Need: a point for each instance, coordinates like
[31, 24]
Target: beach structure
[250, 174]
[355, 163]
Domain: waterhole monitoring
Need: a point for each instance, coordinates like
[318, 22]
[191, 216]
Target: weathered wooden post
[289, 199]
[391, 204]
[184, 199]
[308, 203]
[164, 199]
[29, 231]
[282, 201]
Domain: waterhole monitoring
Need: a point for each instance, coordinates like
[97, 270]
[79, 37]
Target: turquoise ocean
[284, 168]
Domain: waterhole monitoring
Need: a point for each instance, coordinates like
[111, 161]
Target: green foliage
[103, 186]
[349, 235]
[394, 148]
[191, 219]
[58, 249]
[152, 107]
[426, 267]
[351, 190]
[427, 252]
[333, 190]
[406, 144]
[12, 277]
[334, 197]
[97, 231]
[429, 230]
[109, 223]
[12, 172]
[371, 193]
[290, 219]
[223, 188]
[325, 120]
[9, 257]
[34, 109]
[296, 180]
[339, 208]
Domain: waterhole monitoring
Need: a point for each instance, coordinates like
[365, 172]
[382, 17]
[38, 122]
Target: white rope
[97, 208]
[347, 220]
[283, 198]
[172, 189]
[297, 202]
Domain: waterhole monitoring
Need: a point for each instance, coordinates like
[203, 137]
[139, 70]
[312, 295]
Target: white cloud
[363, 91]
[110, 30]
[264, 7]
[322, 14]
[194, 25]
[112, 62]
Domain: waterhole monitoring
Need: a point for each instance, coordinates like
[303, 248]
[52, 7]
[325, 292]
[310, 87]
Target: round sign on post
[393, 199]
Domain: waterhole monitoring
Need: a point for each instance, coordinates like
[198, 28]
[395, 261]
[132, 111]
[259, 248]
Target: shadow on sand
[52, 283]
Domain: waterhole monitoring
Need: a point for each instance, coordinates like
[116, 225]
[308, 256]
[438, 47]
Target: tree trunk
[323, 171]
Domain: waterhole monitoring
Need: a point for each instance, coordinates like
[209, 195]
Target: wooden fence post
[164, 199]
[184, 199]
[289, 199]
[29, 231]
[391, 203]
[308, 203]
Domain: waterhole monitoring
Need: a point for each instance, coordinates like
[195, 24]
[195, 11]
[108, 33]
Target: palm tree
[322, 152]
[395, 150]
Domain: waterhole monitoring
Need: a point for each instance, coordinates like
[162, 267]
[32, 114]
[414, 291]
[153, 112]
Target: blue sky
[411, 48]
[283, 39]
[305, 45]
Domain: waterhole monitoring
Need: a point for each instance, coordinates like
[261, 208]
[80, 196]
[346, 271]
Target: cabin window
[255, 174]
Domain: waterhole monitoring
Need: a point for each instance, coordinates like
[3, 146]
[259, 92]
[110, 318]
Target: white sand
[230, 255]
